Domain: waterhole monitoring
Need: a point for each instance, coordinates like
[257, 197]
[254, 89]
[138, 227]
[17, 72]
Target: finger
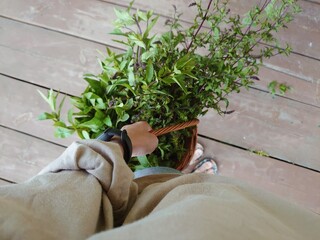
[145, 125]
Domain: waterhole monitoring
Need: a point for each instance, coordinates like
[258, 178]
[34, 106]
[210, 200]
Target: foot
[200, 165]
[198, 153]
[207, 165]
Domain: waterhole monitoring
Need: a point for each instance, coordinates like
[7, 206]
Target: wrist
[120, 137]
[117, 140]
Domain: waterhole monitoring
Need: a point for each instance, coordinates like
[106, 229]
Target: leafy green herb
[175, 76]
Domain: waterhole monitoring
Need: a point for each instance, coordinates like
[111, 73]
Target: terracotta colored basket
[190, 143]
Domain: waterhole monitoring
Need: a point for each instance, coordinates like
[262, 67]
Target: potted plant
[174, 76]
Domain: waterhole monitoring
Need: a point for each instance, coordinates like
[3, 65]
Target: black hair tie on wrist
[109, 133]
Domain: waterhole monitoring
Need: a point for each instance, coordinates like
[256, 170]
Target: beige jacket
[89, 192]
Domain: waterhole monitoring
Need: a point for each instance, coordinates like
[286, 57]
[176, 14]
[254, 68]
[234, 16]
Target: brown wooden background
[50, 44]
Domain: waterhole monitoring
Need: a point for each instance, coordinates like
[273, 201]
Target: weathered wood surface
[61, 60]
[45, 57]
[302, 91]
[313, 1]
[93, 20]
[20, 111]
[52, 43]
[24, 156]
[4, 183]
[42, 39]
[282, 128]
[287, 181]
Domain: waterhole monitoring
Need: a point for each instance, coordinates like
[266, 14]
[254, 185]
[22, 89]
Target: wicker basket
[191, 142]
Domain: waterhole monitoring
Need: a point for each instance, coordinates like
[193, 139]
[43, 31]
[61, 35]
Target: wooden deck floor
[50, 44]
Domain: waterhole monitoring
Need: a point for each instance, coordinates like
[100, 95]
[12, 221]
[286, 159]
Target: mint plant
[175, 76]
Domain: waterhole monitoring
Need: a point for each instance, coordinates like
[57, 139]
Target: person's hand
[143, 142]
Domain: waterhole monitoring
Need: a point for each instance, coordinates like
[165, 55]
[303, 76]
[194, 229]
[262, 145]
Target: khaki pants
[89, 192]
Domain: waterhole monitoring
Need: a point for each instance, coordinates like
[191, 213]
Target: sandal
[198, 153]
[213, 169]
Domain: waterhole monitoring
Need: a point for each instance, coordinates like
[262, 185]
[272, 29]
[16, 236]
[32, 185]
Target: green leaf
[94, 124]
[60, 124]
[131, 78]
[148, 54]
[149, 71]
[118, 32]
[124, 18]
[121, 42]
[77, 102]
[176, 70]
[151, 25]
[100, 104]
[128, 105]
[60, 106]
[45, 116]
[154, 91]
[269, 9]
[216, 33]
[124, 118]
[108, 121]
[182, 84]
[272, 87]
[137, 41]
[85, 134]
[247, 20]
[142, 15]
[70, 115]
[123, 64]
[183, 61]
[50, 99]
[62, 132]
[283, 88]
[95, 100]
[94, 84]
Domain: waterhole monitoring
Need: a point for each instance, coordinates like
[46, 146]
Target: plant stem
[138, 48]
[265, 4]
[259, 41]
[200, 26]
[138, 25]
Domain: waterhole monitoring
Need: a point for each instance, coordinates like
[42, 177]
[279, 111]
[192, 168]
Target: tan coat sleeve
[86, 190]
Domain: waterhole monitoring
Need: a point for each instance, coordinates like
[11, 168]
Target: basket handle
[176, 127]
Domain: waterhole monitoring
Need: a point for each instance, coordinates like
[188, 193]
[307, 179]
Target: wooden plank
[24, 156]
[295, 65]
[288, 181]
[4, 183]
[46, 58]
[88, 19]
[92, 20]
[313, 1]
[284, 129]
[21, 104]
[60, 61]
[302, 91]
